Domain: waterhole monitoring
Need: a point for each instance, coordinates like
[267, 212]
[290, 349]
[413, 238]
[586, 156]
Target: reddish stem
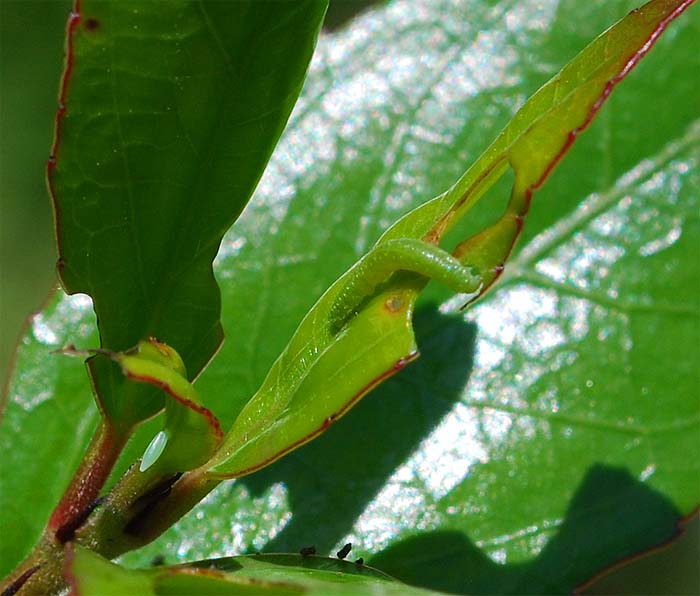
[84, 489]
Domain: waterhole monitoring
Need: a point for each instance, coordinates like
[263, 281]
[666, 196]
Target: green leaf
[550, 431]
[278, 575]
[88, 573]
[567, 423]
[168, 116]
[191, 432]
[47, 420]
[359, 332]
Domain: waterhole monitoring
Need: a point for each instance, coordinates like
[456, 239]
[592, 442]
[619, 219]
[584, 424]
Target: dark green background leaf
[30, 68]
[572, 438]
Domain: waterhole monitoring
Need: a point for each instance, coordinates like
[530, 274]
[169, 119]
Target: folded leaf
[536, 139]
[327, 367]
[191, 432]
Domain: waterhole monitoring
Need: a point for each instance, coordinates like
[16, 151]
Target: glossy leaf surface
[360, 331]
[169, 113]
[273, 575]
[552, 432]
[492, 468]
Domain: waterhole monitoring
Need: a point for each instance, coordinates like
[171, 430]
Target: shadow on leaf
[331, 480]
[611, 516]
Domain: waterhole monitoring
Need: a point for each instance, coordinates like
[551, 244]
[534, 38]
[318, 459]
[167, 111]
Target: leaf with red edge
[190, 432]
[537, 138]
[325, 369]
[168, 115]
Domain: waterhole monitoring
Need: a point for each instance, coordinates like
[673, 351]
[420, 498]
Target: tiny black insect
[360, 562]
[307, 551]
[343, 552]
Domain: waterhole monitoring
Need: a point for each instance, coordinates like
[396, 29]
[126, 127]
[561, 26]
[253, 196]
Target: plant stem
[41, 570]
[140, 508]
[97, 463]
[40, 574]
[184, 495]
